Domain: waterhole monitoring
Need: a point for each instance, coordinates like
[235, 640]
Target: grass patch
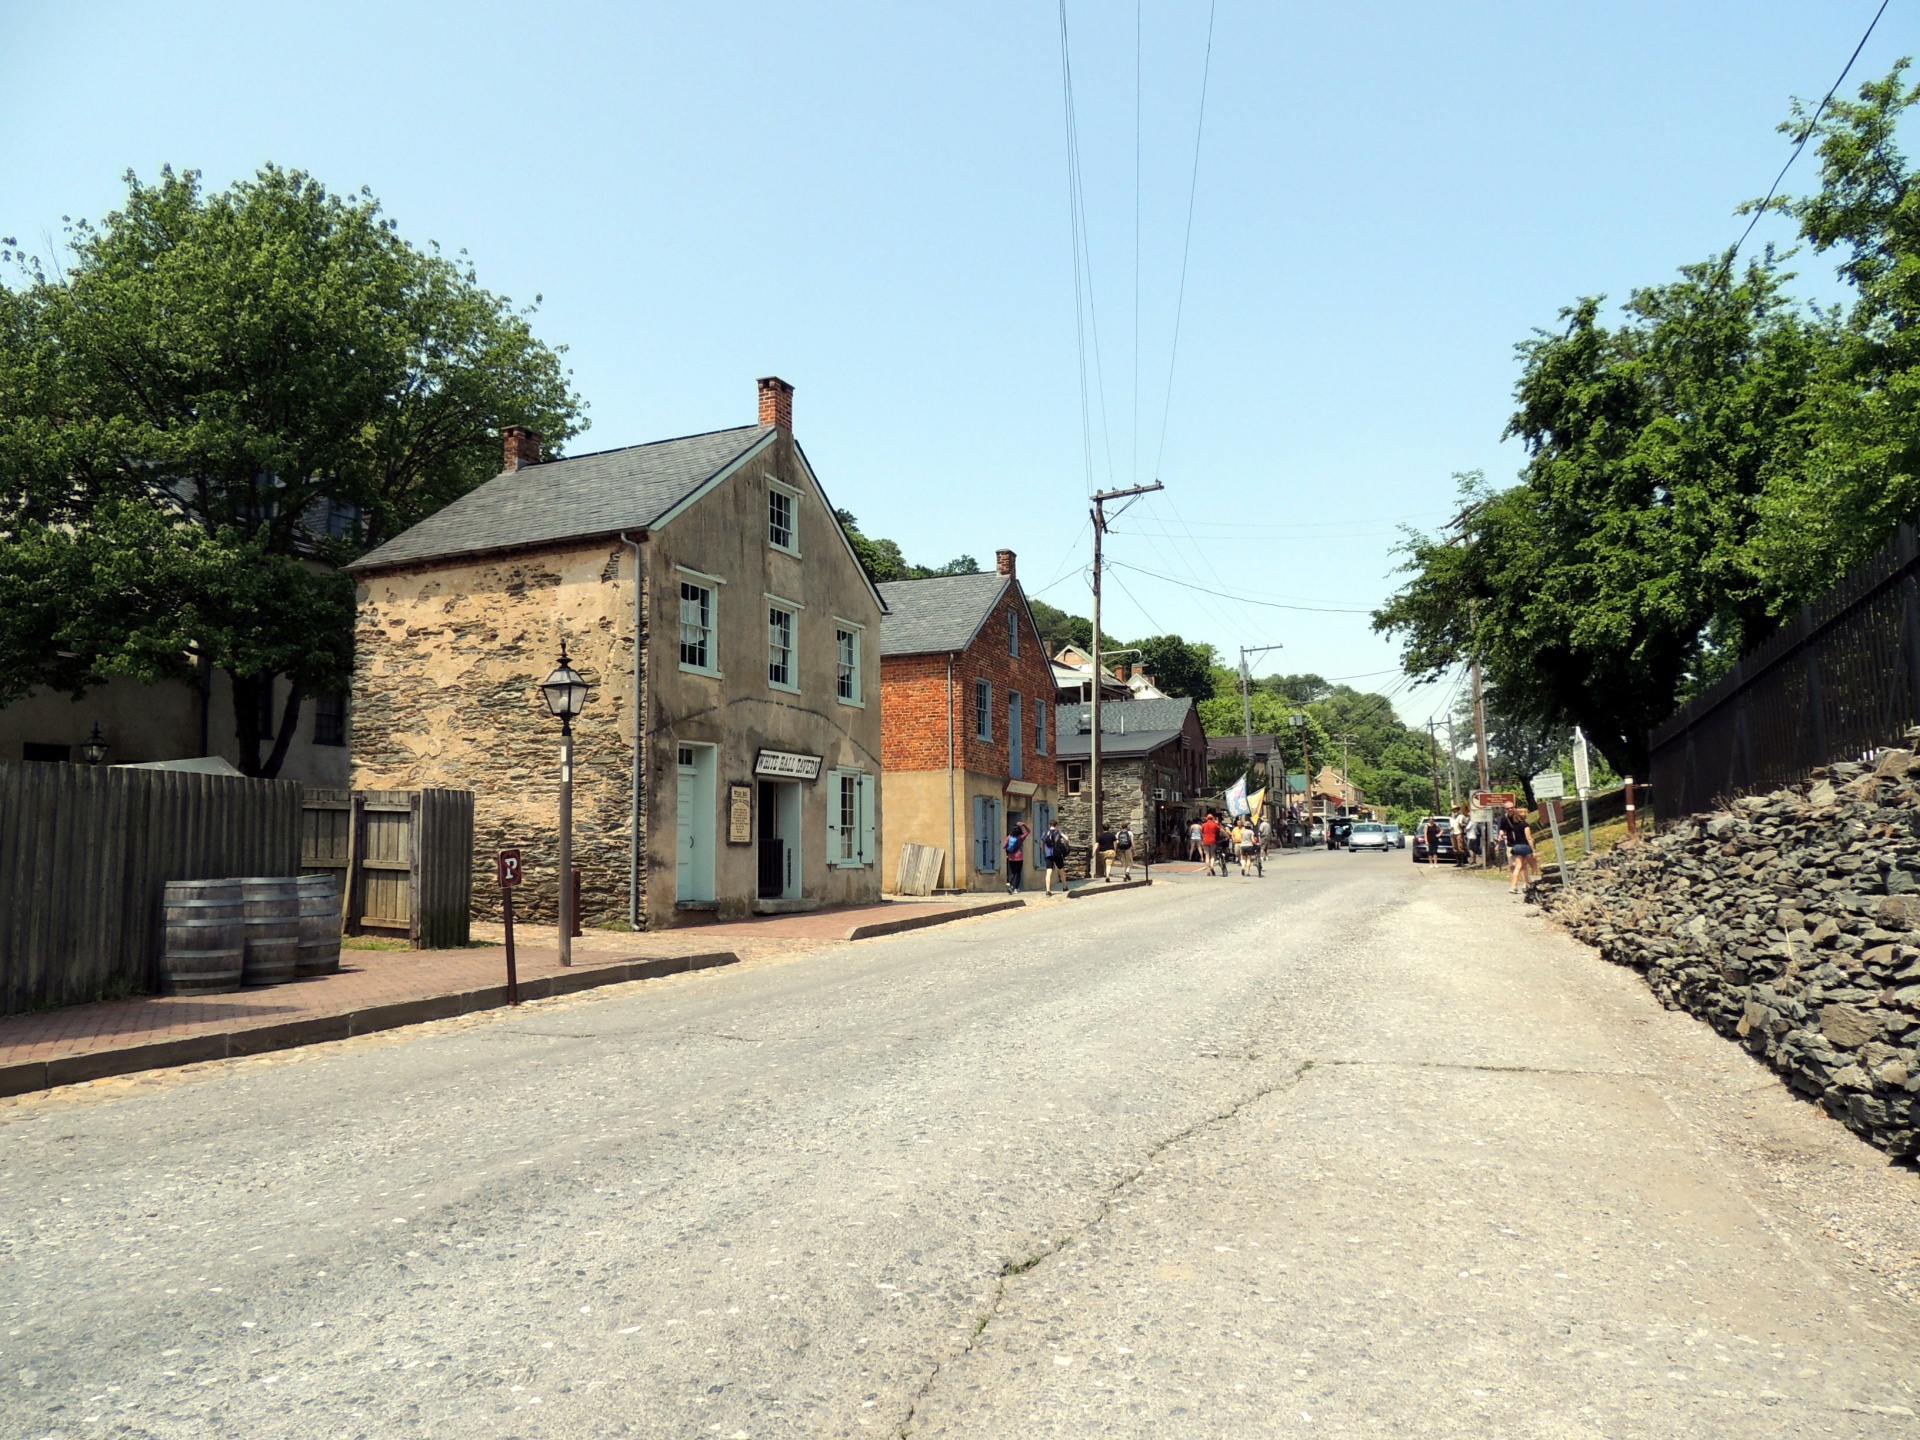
[619, 926]
[373, 942]
[1605, 837]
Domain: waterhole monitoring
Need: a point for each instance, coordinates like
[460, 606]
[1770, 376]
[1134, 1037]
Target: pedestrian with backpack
[1123, 851]
[1017, 835]
[1053, 854]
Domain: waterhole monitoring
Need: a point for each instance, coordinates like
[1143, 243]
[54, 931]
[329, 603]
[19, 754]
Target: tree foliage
[884, 560]
[217, 397]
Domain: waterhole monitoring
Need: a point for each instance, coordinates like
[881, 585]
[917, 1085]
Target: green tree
[1178, 667]
[885, 562]
[254, 385]
[1058, 628]
[1624, 558]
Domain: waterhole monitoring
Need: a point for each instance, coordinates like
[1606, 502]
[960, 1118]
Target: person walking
[1432, 836]
[1103, 853]
[1123, 851]
[1017, 835]
[1519, 837]
[1210, 841]
[1243, 841]
[1053, 854]
[1193, 841]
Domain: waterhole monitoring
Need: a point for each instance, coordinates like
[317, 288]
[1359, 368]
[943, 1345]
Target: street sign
[1582, 771]
[507, 868]
[1549, 785]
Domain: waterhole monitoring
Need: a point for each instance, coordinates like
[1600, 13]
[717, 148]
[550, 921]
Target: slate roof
[1124, 716]
[938, 614]
[1070, 746]
[582, 495]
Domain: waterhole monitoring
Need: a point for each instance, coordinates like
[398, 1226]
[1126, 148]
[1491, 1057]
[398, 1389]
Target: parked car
[1369, 835]
[1397, 836]
[1446, 853]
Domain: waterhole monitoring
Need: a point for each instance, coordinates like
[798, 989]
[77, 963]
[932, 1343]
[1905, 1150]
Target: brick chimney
[776, 402]
[523, 446]
[1003, 562]
[1134, 672]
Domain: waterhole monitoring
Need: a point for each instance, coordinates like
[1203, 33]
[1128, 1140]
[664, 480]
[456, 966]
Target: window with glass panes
[848, 644]
[779, 519]
[780, 646]
[983, 709]
[696, 626]
[849, 818]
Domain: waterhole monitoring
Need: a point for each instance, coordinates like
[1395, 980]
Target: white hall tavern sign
[785, 765]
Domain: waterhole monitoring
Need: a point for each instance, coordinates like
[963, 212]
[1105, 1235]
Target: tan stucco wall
[160, 722]
[448, 663]
[724, 534]
[917, 815]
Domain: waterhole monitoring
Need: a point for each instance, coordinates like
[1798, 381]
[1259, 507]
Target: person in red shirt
[1210, 840]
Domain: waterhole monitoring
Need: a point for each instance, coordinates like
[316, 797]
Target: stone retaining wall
[1790, 923]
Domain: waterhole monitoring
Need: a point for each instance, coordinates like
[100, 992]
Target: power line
[1186, 247]
[1805, 135]
[1241, 599]
[1086, 317]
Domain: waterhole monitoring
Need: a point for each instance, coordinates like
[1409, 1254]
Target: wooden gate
[402, 860]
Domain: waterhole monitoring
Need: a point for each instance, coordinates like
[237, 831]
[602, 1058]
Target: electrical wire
[1241, 599]
[1086, 317]
[1806, 135]
[1186, 247]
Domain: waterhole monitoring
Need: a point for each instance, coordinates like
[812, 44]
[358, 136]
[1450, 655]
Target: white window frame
[856, 630]
[855, 847]
[792, 611]
[983, 710]
[1040, 708]
[711, 585]
[792, 547]
[1013, 633]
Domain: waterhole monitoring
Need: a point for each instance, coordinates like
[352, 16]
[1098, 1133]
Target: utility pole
[1453, 768]
[1246, 702]
[1480, 724]
[1100, 498]
[1346, 780]
[1433, 743]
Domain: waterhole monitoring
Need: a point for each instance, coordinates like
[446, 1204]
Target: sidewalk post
[507, 868]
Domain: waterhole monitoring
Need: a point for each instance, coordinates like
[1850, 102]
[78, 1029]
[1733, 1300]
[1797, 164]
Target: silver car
[1368, 835]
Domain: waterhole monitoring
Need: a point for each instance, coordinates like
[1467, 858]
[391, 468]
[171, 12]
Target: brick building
[967, 744]
[728, 757]
[1153, 762]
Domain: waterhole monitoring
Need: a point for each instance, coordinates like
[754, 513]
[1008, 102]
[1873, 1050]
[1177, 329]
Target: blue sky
[870, 200]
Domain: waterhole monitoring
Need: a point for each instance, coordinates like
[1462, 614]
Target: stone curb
[876, 928]
[34, 1075]
[1101, 887]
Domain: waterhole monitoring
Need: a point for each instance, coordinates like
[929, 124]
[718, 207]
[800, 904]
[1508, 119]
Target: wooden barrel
[319, 926]
[273, 928]
[206, 937]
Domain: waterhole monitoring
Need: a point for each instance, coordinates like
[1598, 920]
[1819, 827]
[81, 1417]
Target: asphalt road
[1351, 1150]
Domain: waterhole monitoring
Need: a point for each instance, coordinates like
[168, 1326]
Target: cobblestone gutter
[1790, 923]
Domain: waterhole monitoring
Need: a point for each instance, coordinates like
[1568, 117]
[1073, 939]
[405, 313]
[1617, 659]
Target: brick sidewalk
[381, 989]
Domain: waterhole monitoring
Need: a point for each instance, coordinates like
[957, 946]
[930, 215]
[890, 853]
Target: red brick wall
[914, 702]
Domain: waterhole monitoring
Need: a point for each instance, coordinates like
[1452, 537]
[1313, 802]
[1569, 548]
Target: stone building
[968, 698]
[728, 759]
[1153, 762]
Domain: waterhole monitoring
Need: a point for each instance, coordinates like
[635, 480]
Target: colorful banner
[1237, 797]
[1257, 801]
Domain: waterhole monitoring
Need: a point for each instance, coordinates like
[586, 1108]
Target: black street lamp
[565, 693]
[94, 748]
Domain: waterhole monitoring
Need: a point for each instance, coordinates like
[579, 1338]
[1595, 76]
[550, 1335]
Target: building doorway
[778, 819]
[697, 819]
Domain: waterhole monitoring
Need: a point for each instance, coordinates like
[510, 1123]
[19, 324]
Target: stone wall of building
[448, 662]
[1122, 799]
[1791, 924]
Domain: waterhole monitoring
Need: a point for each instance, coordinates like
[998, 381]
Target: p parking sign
[507, 868]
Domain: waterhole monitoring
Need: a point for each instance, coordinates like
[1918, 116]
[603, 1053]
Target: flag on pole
[1237, 797]
[1257, 802]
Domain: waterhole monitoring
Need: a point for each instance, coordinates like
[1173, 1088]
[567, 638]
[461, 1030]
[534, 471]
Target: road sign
[1549, 785]
[507, 868]
[1582, 771]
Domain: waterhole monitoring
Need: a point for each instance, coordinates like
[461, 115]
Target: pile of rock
[1790, 922]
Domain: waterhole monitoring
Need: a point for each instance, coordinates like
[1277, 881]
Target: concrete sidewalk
[383, 989]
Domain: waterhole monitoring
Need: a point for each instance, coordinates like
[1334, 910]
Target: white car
[1368, 835]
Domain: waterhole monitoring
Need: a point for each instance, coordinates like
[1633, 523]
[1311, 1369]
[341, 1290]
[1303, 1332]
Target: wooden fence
[85, 855]
[1841, 679]
[402, 860]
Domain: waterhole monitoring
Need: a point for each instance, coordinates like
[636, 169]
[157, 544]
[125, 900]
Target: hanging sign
[786, 765]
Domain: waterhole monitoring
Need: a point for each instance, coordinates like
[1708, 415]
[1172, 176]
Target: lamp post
[94, 748]
[565, 693]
